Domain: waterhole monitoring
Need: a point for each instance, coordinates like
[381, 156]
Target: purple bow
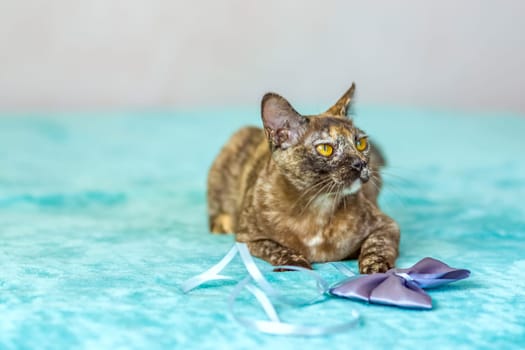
[400, 287]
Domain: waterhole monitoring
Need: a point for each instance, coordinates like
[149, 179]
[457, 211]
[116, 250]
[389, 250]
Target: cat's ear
[282, 124]
[342, 106]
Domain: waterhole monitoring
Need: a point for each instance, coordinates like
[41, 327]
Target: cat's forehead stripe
[338, 130]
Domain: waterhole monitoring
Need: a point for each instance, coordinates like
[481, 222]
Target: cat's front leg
[277, 254]
[380, 249]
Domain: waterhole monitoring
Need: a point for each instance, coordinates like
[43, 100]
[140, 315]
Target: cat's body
[293, 203]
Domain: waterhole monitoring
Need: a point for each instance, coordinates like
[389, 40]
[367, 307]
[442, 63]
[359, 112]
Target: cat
[303, 189]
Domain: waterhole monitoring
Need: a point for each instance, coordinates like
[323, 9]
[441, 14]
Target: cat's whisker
[385, 188]
[314, 187]
[334, 200]
[391, 167]
[387, 172]
[335, 204]
[327, 189]
[392, 179]
[402, 179]
[327, 185]
[397, 195]
[375, 184]
[311, 189]
[308, 191]
[336, 190]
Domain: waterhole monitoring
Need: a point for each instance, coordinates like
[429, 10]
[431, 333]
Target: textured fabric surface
[103, 216]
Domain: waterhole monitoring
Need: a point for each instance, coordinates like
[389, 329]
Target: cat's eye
[361, 144]
[324, 149]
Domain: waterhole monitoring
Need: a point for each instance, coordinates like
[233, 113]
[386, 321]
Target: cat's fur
[293, 206]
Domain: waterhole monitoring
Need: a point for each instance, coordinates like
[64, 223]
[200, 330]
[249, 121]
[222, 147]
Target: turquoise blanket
[103, 216]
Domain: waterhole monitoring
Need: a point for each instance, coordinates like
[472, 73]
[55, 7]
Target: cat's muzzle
[361, 167]
[365, 174]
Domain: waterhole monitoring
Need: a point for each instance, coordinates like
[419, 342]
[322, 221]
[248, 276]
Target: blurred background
[65, 55]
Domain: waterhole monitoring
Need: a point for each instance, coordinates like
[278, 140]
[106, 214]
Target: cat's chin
[353, 188]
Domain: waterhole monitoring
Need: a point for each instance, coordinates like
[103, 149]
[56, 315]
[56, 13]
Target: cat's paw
[222, 223]
[374, 264]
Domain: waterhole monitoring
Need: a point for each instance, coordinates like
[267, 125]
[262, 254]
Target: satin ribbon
[264, 292]
[212, 274]
[396, 287]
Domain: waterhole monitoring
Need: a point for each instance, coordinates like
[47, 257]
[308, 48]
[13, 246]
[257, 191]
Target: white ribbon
[262, 290]
[212, 273]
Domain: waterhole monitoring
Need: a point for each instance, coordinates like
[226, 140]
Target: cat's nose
[357, 164]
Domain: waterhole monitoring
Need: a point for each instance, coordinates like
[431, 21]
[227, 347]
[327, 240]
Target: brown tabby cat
[304, 190]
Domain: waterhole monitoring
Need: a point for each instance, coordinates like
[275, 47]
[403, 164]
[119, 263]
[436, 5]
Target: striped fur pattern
[294, 206]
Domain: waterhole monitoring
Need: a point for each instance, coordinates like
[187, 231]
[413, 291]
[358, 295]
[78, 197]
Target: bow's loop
[431, 273]
[401, 287]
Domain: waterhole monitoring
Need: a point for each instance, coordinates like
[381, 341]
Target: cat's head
[324, 150]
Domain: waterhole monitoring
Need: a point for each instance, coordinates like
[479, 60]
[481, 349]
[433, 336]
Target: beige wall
[68, 54]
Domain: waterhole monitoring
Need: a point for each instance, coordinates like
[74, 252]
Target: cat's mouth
[362, 175]
[353, 183]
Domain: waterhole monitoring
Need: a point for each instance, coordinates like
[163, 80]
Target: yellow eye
[324, 149]
[361, 144]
